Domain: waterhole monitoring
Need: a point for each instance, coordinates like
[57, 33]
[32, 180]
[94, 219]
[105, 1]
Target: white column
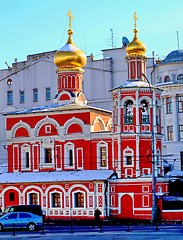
[175, 118]
[119, 112]
[137, 157]
[137, 112]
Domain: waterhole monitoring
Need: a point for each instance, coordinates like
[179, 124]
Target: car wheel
[31, 226]
[1, 227]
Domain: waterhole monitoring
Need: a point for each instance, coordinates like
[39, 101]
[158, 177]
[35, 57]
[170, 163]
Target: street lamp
[153, 218]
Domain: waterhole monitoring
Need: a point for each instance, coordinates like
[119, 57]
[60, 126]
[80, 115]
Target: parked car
[34, 209]
[21, 220]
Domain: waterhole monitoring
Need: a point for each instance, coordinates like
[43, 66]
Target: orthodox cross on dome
[70, 19]
[135, 19]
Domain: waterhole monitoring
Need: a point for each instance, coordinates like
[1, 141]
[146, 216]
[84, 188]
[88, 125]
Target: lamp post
[153, 218]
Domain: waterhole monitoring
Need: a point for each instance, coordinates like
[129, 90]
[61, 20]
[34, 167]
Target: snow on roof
[56, 107]
[55, 176]
[174, 173]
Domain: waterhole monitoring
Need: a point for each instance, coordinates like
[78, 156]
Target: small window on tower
[128, 116]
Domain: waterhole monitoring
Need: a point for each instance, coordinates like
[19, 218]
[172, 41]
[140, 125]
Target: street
[79, 232]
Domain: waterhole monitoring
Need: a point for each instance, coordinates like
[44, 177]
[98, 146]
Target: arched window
[55, 200]
[69, 160]
[79, 199]
[70, 157]
[33, 198]
[158, 157]
[145, 112]
[167, 79]
[128, 157]
[25, 159]
[180, 78]
[128, 117]
[102, 155]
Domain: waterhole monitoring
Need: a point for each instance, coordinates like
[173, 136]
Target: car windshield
[6, 210]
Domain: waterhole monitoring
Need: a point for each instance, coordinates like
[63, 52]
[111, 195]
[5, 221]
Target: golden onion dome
[70, 56]
[136, 47]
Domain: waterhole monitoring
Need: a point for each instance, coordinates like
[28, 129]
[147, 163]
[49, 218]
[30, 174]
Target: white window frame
[99, 146]
[42, 155]
[24, 151]
[57, 192]
[67, 148]
[28, 196]
[47, 128]
[128, 152]
[73, 199]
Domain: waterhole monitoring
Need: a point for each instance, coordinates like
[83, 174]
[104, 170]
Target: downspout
[106, 197]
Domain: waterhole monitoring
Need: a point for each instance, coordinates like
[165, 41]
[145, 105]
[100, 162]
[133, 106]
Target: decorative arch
[126, 205]
[64, 96]
[128, 157]
[180, 78]
[46, 121]
[7, 191]
[74, 128]
[78, 191]
[81, 98]
[99, 124]
[109, 125]
[17, 127]
[71, 123]
[167, 78]
[55, 196]
[126, 99]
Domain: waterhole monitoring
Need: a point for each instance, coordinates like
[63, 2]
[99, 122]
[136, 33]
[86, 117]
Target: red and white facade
[71, 158]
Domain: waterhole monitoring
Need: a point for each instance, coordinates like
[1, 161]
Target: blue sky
[34, 26]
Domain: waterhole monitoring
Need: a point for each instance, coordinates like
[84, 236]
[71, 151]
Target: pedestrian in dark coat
[97, 218]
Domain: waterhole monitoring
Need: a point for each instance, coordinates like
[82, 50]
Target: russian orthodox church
[72, 158]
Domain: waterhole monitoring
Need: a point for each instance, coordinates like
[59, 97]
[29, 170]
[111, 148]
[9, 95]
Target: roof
[175, 173]
[134, 84]
[55, 108]
[174, 56]
[55, 176]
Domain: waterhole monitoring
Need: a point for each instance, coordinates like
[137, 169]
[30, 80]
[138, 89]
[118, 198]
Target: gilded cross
[70, 19]
[135, 19]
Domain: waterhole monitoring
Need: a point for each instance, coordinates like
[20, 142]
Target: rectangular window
[128, 119]
[11, 196]
[79, 199]
[128, 160]
[103, 156]
[170, 133]
[145, 201]
[180, 104]
[35, 95]
[168, 105]
[48, 129]
[33, 198]
[22, 96]
[181, 132]
[48, 155]
[55, 200]
[145, 119]
[9, 97]
[48, 93]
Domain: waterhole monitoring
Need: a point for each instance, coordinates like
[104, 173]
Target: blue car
[21, 220]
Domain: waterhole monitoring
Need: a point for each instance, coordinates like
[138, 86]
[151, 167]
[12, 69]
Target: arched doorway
[126, 206]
